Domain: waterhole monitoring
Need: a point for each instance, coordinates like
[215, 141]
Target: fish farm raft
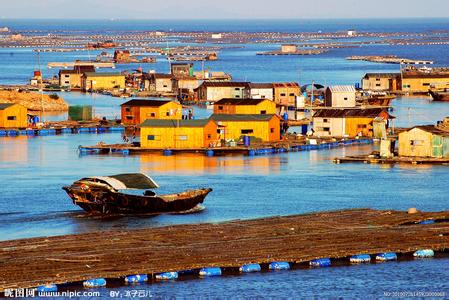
[310, 240]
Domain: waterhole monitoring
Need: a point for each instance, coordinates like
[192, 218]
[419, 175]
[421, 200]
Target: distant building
[136, 111]
[216, 90]
[245, 106]
[13, 116]
[216, 36]
[181, 69]
[347, 122]
[159, 82]
[93, 81]
[72, 78]
[261, 91]
[285, 93]
[351, 32]
[263, 127]
[178, 134]
[381, 82]
[124, 56]
[288, 48]
[421, 82]
[424, 141]
[340, 96]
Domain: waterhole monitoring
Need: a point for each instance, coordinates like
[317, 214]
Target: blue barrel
[36, 119]
[125, 152]
[250, 268]
[2, 132]
[251, 152]
[357, 85]
[246, 141]
[279, 265]
[304, 128]
[320, 262]
[209, 152]
[12, 132]
[427, 222]
[92, 283]
[208, 272]
[43, 132]
[167, 276]
[285, 116]
[136, 278]
[386, 256]
[30, 132]
[52, 131]
[167, 152]
[47, 288]
[360, 258]
[425, 253]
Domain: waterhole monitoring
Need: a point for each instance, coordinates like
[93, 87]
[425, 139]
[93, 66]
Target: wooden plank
[112, 254]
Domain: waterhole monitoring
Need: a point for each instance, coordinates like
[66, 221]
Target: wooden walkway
[394, 160]
[71, 258]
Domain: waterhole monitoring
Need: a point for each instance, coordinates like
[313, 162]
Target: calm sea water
[33, 170]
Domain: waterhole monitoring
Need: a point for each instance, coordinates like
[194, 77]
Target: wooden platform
[367, 159]
[71, 258]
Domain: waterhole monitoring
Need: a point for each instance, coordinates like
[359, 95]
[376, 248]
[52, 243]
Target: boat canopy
[137, 181]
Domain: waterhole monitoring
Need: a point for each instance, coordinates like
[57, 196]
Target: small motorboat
[112, 195]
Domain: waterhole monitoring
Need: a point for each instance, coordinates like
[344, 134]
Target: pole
[41, 89]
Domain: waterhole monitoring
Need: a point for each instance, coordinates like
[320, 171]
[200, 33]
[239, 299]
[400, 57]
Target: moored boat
[439, 95]
[112, 195]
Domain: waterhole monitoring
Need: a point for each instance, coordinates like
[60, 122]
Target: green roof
[175, 123]
[104, 74]
[241, 117]
[5, 105]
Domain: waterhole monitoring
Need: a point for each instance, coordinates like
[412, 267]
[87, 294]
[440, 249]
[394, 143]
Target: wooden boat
[113, 194]
[376, 100]
[439, 96]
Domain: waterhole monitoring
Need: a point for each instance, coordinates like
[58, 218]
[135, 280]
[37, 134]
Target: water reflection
[13, 150]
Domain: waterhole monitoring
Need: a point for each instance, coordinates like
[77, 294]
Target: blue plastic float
[279, 265]
[427, 222]
[360, 258]
[93, 283]
[136, 278]
[425, 253]
[47, 288]
[388, 256]
[208, 272]
[320, 262]
[250, 268]
[167, 276]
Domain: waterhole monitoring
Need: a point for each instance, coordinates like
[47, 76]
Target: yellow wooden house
[136, 111]
[94, 81]
[178, 134]
[262, 126]
[13, 116]
[245, 106]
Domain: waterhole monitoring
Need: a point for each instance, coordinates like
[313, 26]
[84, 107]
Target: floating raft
[368, 159]
[58, 131]
[295, 239]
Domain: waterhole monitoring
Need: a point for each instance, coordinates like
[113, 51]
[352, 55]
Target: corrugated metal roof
[247, 101]
[142, 102]
[5, 105]
[175, 123]
[432, 129]
[349, 113]
[224, 84]
[342, 88]
[241, 117]
[286, 84]
[381, 75]
[260, 85]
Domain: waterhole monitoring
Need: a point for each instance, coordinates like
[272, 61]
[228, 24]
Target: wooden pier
[369, 159]
[297, 239]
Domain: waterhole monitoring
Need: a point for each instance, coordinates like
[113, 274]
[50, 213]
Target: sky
[225, 9]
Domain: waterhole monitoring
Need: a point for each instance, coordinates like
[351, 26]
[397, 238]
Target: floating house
[422, 82]
[424, 141]
[348, 122]
[213, 91]
[136, 111]
[285, 93]
[13, 116]
[181, 69]
[93, 81]
[340, 96]
[72, 78]
[261, 91]
[245, 106]
[178, 134]
[159, 82]
[265, 127]
[381, 82]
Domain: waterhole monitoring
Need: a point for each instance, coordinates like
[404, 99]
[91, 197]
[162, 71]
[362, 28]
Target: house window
[325, 120]
[378, 84]
[12, 118]
[167, 114]
[360, 126]
[128, 109]
[262, 97]
[292, 94]
[237, 96]
[67, 76]
[263, 112]
[272, 130]
[377, 79]
[153, 115]
[165, 85]
[182, 138]
[151, 138]
[209, 136]
[247, 131]
[345, 98]
[220, 107]
[237, 89]
[67, 82]
[426, 84]
[282, 94]
[416, 142]
[220, 131]
[129, 117]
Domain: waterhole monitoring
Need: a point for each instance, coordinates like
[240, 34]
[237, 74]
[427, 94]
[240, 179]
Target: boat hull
[439, 96]
[111, 202]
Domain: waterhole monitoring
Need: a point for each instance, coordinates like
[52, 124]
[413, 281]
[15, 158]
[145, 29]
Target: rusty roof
[231, 101]
[349, 113]
[433, 130]
[143, 102]
[260, 85]
[175, 123]
[381, 75]
[225, 84]
[341, 88]
[285, 85]
[242, 117]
